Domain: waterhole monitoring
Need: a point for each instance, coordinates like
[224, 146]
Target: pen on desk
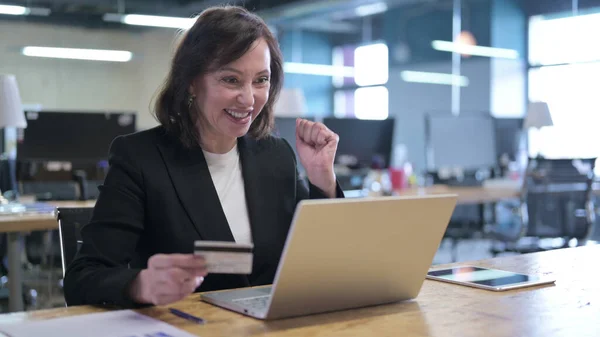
[187, 316]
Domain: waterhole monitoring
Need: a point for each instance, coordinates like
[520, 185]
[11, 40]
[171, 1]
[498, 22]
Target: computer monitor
[466, 142]
[508, 135]
[80, 137]
[363, 139]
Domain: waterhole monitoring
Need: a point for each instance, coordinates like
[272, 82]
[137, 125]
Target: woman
[210, 171]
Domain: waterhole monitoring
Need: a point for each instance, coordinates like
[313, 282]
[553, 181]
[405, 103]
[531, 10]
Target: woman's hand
[168, 278]
[316, 146]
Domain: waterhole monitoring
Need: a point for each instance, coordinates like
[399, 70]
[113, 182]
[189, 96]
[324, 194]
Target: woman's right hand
[168, 278]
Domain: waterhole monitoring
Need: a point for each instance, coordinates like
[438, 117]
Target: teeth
[238, 115]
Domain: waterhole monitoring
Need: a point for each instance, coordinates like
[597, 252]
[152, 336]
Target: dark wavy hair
[219, 36]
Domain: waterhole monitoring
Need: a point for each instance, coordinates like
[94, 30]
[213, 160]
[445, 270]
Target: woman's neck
[215, 143]
[217, 146]
[212, 141]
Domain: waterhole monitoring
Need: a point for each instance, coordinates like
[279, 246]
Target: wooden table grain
[474, 195]
[570, 307]
[37, 222]
[466, 195]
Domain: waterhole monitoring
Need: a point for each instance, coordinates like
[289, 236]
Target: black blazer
[158, 197]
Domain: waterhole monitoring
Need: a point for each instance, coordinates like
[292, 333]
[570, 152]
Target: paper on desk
[122, 323]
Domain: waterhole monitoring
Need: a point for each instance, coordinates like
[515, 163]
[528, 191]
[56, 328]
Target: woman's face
[229, 99]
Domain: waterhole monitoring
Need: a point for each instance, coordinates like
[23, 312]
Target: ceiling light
[434, 78]
[371, 9]
[13, 10]
[474, 50]
[317, 69]
[151, 20]
[79, 54]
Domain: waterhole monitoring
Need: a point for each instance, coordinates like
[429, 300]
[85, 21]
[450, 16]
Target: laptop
[348, 253]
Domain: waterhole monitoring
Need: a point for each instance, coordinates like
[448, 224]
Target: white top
[226, 173]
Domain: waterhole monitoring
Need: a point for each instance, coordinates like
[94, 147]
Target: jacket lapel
[192, 181]
[259, 195]
[253, 186]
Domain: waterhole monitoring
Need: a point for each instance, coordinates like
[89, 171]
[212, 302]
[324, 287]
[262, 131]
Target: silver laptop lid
[348, 253]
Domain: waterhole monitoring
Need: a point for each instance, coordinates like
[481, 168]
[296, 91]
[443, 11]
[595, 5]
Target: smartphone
[484, 278]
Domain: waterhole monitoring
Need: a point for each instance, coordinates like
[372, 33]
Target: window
[343, 103]
[371, 64]
[371, 103]
[343, 56]
[570, 39]
[571, 92]
[370, 99]
[569, 86]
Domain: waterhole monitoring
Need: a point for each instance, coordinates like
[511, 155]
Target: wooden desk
[475, 195]
[467, 195]
[571, 307]
[37, 222]
[15, 226]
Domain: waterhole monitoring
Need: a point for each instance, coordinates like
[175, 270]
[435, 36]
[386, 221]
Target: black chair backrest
[558, 192]
[70, 221]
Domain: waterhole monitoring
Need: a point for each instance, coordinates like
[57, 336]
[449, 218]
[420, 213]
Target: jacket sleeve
[311, 191]
[99, 274]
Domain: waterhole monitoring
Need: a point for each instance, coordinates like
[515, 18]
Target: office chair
[467, 221]
[47, 251]
[70, 221]
[556, 202]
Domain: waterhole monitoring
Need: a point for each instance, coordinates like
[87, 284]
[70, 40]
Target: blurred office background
[476, 94]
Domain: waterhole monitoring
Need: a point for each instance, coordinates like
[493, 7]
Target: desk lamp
[11, 115]
[538, 116]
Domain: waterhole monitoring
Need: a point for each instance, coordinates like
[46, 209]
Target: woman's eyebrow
[264, 71]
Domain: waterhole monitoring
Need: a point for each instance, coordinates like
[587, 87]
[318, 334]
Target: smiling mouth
[237, 114]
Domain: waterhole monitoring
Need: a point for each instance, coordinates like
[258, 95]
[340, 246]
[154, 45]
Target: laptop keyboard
[256, 302]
